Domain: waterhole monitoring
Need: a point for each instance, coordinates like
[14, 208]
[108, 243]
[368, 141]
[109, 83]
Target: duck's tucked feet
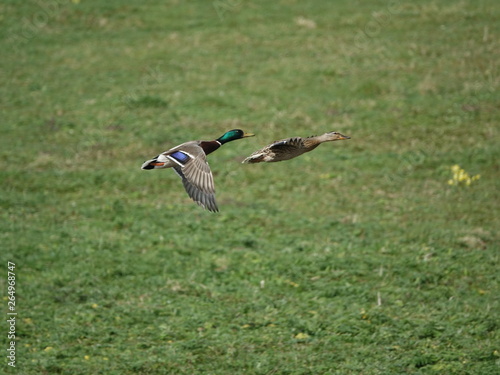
[158, 162]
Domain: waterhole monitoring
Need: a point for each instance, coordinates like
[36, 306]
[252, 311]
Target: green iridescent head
[233, 135]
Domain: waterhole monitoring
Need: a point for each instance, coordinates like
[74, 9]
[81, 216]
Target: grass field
[357, 258]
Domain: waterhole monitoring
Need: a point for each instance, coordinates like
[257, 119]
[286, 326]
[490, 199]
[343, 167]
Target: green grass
[358, 258]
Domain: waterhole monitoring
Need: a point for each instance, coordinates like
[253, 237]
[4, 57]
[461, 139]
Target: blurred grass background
[358, 258]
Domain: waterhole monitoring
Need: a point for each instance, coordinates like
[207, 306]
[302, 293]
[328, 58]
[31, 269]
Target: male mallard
[190, 162]
[291, 148]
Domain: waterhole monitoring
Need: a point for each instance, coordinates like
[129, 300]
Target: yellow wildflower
[460, 176]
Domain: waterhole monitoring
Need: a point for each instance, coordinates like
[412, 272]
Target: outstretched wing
[277, 151]
[197, 178]
[287, 145]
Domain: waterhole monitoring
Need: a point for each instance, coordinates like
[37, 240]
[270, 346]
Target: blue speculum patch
[180, 157]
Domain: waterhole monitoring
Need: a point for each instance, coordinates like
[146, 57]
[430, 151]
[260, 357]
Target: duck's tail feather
[154, 163]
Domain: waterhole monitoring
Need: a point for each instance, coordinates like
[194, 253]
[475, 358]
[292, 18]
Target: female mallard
[291, 148]
[189, 160]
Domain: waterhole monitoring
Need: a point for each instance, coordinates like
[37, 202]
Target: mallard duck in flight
[290, 148]
[189, 161]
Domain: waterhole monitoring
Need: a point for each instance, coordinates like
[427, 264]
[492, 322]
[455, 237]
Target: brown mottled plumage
[290, 148]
